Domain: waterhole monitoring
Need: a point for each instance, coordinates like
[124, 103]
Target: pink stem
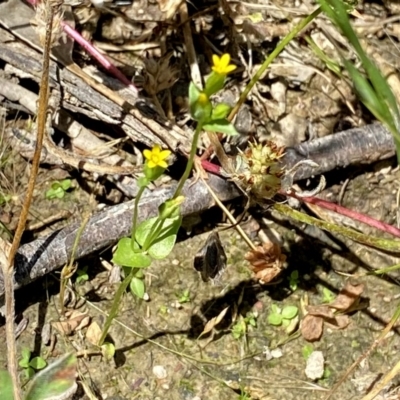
[108, 66]
[72, 33]
[349, 213]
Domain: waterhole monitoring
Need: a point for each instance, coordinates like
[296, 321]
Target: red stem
[356, 216]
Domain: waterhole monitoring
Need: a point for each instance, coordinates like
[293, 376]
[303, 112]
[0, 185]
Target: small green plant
[4, 199]
[282, 316]
[154, 238]
[327, 295]
[184, 297]
[241, 327]
[58, 189]
[294, 280]
[31, 365]
[82, 275]
[307, 350]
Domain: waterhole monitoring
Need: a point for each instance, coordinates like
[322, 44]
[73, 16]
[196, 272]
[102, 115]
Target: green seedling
[294, 280]
[242, 325]
[31, 366]
[307, 350]
[82, 275]
[283, 316]
[184, 297]
[58, 189]
[327, 295]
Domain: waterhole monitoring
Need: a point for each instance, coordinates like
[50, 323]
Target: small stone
[159, 372]
[315, 365]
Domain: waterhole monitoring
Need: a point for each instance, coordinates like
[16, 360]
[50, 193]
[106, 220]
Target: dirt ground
[159, 354]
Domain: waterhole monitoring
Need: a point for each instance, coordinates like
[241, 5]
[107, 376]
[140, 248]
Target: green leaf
[29, 373]
[220, 111]
[193, 93]
[162, 248]
[6, 389]
[26, 356]
[37, 363]
[125, 256]
[289, 312]
[275, 319]
[66, 184]
[221, 126]
[144, 229]
[57, 381]
[163, 243]
[137, 287]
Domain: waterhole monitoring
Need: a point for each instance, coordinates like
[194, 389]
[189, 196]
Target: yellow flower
[221, 64]
[156, 157]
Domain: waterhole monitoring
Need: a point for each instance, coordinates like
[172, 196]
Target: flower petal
[147, 154]
[151, 164]
[230, 68]
[165, 154]
[156, 149]
[162, 164]
[225, 59]
[215, 60]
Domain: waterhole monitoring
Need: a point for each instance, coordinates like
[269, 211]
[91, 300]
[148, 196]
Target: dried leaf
[266, 261]
[75, 322]
[348, 297]
[213, 322]
[339, 322]
[93, 333]
[320, 311]
[311, 328]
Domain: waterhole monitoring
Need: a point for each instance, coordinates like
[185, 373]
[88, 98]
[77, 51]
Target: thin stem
[135, 214]
[154, 232]
[281, 45]
[8, 270]
[117, 300]
[189, 164]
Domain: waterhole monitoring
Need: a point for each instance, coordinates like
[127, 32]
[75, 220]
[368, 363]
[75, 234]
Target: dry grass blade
[9, 266]
[213, 322]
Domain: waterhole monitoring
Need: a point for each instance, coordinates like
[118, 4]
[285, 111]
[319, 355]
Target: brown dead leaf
[76, 321]
[311, 328]
[93, 333]
[266, 261]
[339, 322]
[213, 322]
[348, 297]
[321, 310]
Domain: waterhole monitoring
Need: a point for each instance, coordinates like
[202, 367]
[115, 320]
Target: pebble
[159, 372]
[315, 365]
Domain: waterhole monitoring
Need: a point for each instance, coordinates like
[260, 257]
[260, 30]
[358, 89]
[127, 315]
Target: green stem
[154, 232]
[135, 215]
[281, 45]
[190, 160]
[117, 300]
